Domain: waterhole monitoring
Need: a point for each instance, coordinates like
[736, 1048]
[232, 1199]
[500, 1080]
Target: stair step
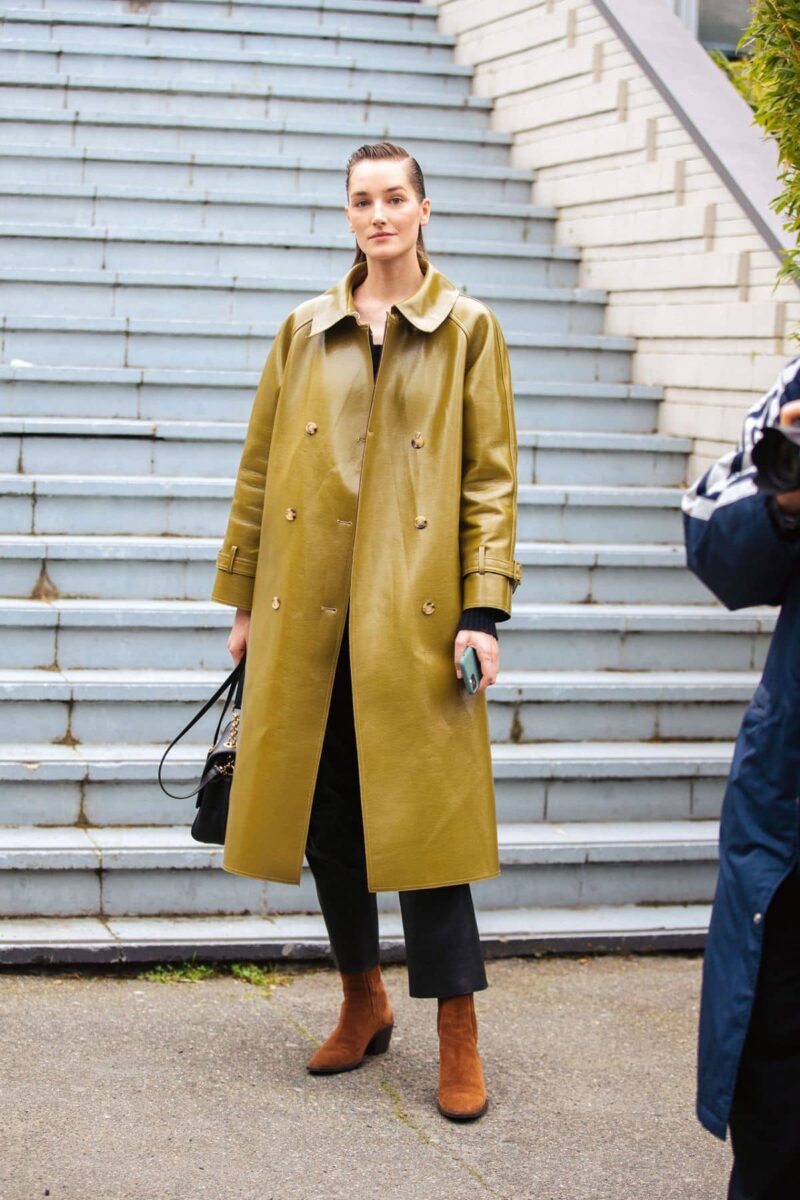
[228, 395]
[554, 457]
[208, 97]
[147, 167]
[47, 504]
[188, 635]
[116, 784]
[281, 936]
[129, 341]
[84, 247]
[112, 33]
[120, 207]
[363, 14]
[524, 706]
[248, 299]
[596, 573]
[99, 132]
[271, 68]
[138, 871]
[213, 449]
[182, 568]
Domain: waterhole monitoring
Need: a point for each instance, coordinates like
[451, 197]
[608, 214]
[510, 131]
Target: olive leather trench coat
[398, 496]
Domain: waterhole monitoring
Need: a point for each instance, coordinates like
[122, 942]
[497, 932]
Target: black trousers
[765, 1117]
[443, 949]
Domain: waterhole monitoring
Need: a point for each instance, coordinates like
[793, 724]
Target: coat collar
[426, 309]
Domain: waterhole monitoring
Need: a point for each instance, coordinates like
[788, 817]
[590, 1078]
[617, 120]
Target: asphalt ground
[116, 1087]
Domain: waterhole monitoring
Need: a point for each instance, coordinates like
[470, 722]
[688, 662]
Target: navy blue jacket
[748, 553]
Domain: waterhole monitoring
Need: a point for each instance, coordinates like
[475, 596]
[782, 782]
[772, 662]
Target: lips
[380, 235]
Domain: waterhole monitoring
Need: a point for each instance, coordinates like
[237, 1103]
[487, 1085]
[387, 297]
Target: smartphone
[470, 669]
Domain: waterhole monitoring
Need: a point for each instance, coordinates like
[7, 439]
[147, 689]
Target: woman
[372, 531]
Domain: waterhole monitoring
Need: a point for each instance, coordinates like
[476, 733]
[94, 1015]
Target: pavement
[116, 1087]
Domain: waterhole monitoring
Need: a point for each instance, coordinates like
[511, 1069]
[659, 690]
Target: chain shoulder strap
[234, 683]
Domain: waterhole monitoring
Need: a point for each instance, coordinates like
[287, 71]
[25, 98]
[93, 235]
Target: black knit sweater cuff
[480, 620]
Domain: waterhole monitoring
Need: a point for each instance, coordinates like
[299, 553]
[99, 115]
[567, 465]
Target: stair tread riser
[213, 216]
[135, 892]
[303, 936]
[98, 132]
[118, 803]
[248, 353]
[173, 514]
[62, 391]
[92, 33]
[111, 299]
[37, 455]
[188, 649]
[250, 68]
[467, 266]
[108, 713]
[364, 15]
[254, 175]
[121, 578]
[193, 100]
[132, 28]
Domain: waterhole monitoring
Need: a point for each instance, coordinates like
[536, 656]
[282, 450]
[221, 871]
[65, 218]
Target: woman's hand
[487, 651]
[237, 642]
[788, 501]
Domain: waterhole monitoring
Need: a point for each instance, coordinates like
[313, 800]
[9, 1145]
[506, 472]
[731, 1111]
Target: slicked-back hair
[374, 152]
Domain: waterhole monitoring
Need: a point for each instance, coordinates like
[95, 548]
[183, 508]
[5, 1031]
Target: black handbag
[214, 787]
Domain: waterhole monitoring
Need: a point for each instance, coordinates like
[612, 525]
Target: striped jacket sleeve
[737, 541]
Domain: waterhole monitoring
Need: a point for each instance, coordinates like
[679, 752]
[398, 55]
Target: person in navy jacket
[745, 546]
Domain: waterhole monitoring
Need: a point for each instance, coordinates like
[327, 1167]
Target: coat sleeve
[488, 515]
[738, 542]
[238, 557]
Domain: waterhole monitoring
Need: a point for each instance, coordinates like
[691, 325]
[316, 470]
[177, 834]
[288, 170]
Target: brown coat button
[276, 601]
[417, 441]
[428, 607]
[290, 514]
[311, 427]
[421, 522]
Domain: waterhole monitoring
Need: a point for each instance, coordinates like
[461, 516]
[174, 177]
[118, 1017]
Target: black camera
[776, 457]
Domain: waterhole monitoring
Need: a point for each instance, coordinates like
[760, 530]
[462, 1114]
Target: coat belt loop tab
[232, 559]
[481, 560]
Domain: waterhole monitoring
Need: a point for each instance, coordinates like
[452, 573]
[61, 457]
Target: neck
[394, 279]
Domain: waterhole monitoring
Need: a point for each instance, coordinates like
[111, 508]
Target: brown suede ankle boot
[462, 1092]
[365, 1024]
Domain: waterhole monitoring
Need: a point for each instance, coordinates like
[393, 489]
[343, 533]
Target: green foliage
[738, 72]
[772, 73]
[188, 972]
[266, 977]
[263, 977]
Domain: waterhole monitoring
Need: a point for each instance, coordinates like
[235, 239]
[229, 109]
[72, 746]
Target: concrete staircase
[171, 183]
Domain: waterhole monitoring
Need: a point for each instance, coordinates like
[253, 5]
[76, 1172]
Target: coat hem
[421, 887]
[711, 1122]
[390, 888]
[264, 878]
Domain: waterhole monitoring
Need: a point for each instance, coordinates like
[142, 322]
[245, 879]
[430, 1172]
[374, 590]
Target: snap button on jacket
[360, 483]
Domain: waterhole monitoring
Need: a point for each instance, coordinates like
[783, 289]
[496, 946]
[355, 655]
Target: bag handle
[235, 679]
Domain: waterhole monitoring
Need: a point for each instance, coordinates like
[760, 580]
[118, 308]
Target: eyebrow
[397, 188]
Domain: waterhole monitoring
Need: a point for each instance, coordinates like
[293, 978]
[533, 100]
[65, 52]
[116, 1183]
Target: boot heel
[380, 1041]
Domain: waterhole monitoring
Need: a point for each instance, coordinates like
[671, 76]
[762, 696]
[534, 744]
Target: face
[383, 210]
